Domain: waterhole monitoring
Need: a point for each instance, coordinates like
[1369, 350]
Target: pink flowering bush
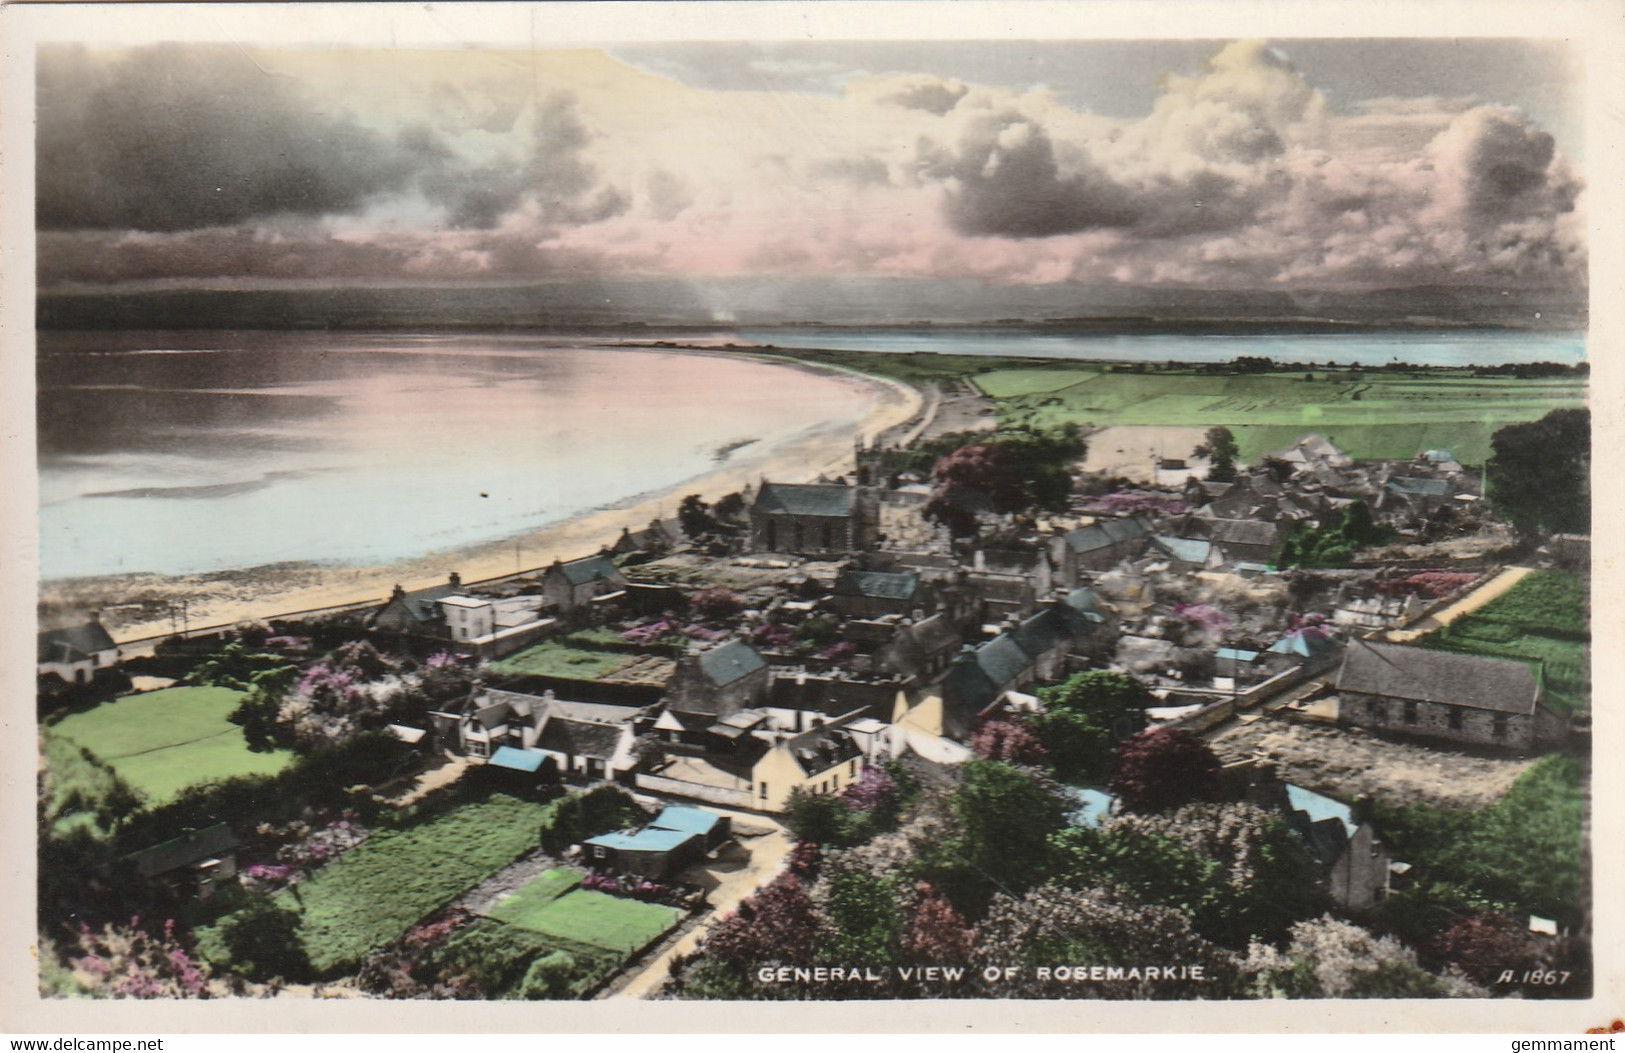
[775, 636]
[129, 962]
[1428, 584]
[320, 846]
[1204, 617]
[839, 652]
[874, 790]
[650, 632]
[697, 631]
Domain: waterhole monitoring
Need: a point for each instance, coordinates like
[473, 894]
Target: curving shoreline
[136, 606]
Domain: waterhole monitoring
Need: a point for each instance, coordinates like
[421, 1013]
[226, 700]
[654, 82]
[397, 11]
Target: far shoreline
[222, 598]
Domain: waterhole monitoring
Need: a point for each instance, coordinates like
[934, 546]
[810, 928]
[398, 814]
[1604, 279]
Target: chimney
[398, 594]
[455, 580]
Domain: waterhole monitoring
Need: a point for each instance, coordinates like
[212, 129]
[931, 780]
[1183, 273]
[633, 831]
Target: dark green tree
[1005, 818]
[1086, 717]
[694, 516]
[1220, 449]
[1539, 474]
[862, 914]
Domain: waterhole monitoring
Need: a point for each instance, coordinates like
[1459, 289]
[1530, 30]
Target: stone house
[446, 615]
[1356, 864]
[719, 681]
[1101, 545]
[77, 654]
[571, 586]
[877, 593]
[510, 729]
[820, 519]
[1445, 697]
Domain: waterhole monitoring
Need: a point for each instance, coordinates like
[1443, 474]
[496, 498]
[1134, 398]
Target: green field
[379, 889]
[164, 741]
[1541, 618]
[551, 658]
[1368, 415]
[553, 906]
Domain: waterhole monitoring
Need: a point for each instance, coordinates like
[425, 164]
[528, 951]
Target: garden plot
[554, 905]
[162, 742]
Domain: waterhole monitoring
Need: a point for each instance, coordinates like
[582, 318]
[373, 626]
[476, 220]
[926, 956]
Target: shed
[208, 856]
[650, 853]
[714, 828]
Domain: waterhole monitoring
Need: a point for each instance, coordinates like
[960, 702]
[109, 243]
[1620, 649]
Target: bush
[580, 816]
[549, 976]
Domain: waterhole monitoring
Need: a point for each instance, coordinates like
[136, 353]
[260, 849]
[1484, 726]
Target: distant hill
[720, 303]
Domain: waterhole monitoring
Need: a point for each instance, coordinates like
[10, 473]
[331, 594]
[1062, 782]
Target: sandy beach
[139, 606]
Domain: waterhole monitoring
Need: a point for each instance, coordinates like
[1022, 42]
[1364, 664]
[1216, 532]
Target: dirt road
[1496, 586]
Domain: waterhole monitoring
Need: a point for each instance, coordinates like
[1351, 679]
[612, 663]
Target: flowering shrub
[874, 789]
[839, 652]
[775, 636]
[648, 633]
[1203, 616]
[128, 962]
[635, 888]
[1011, 741]
[330, 841]
[716, 603]
[697, 631]
[1429, 584]
[273, 873]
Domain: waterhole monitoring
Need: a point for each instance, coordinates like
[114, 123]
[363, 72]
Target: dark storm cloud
[1003, 181]
[176, 138]
[543, 168]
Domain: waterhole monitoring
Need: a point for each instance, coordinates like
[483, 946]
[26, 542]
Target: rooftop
[1503, 685]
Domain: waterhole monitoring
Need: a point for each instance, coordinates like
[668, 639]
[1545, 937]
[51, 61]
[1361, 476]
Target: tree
[1010, 740]
[1005, 817]
[694, 516]
[817, 818]
[1164, 768]
[1084, 719]
[1220, 449]
[1484, 944]
[1539, 474]
[776, 924]
[264, 941]
[1011, 471]
[863, 921]
[716, 603]
[937, 934]
[1276, 468]
[235, 666]
[1334, 545]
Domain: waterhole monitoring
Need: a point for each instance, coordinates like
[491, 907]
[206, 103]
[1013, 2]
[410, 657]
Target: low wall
[1218, 712]
[678, 788]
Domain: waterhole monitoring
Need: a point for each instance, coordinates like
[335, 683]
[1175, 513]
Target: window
[1455, 720]
[835, 783]
[762, 791]
[1410, 712]
[478, 748]
[598, 852]
[853, 770]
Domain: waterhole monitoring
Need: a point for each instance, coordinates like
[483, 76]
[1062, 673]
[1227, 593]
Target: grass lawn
[497, 955]
[544, 889]
[379, 889]
[1371, 414]
[586, 916]
[164, 741]
[551, 658]
[1541, 618]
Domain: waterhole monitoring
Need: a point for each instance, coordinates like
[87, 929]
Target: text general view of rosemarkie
[1053, 519]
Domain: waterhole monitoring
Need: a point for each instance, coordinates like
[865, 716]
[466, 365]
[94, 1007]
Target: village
[1306, 727]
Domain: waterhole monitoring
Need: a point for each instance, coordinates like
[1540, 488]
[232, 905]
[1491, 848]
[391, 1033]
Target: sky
[1296, 164]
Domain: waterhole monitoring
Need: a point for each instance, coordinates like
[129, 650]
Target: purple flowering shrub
[874, 790]
[129, 962]
[649, 632]
[1204, 617]
[634, 887]
[775, 636]
[839, 652]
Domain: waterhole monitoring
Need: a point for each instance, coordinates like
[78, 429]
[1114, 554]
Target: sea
[197, 451]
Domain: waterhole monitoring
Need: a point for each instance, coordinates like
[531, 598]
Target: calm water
[1431, 347]
[191, 452]
[187, 452]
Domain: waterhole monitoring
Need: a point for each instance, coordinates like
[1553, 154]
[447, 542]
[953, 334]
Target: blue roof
[1305, 645]
[1092, 805]
[1184, 549]
[692, 820]
[1437, 456]
[1235, 655]
[1319, 807]
[1427, 487]
[518, 760]
[1249, 567]
[648, 839]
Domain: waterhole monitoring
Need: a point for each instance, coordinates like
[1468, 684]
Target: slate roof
[877, 584]
[1406, 484]
[820, 749]
[967, 685]
[1104, 533]
[1241, 532]
[580, 738]
[185, 850]
[806, 499]
[1086, 603]
[74, 643]
[1502, 685]
[935, 634]
[734, 659]
[589, 568]
[1003, 659]
[423, 605]
[1042, 632]
[831, 695]
[1186, 550]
